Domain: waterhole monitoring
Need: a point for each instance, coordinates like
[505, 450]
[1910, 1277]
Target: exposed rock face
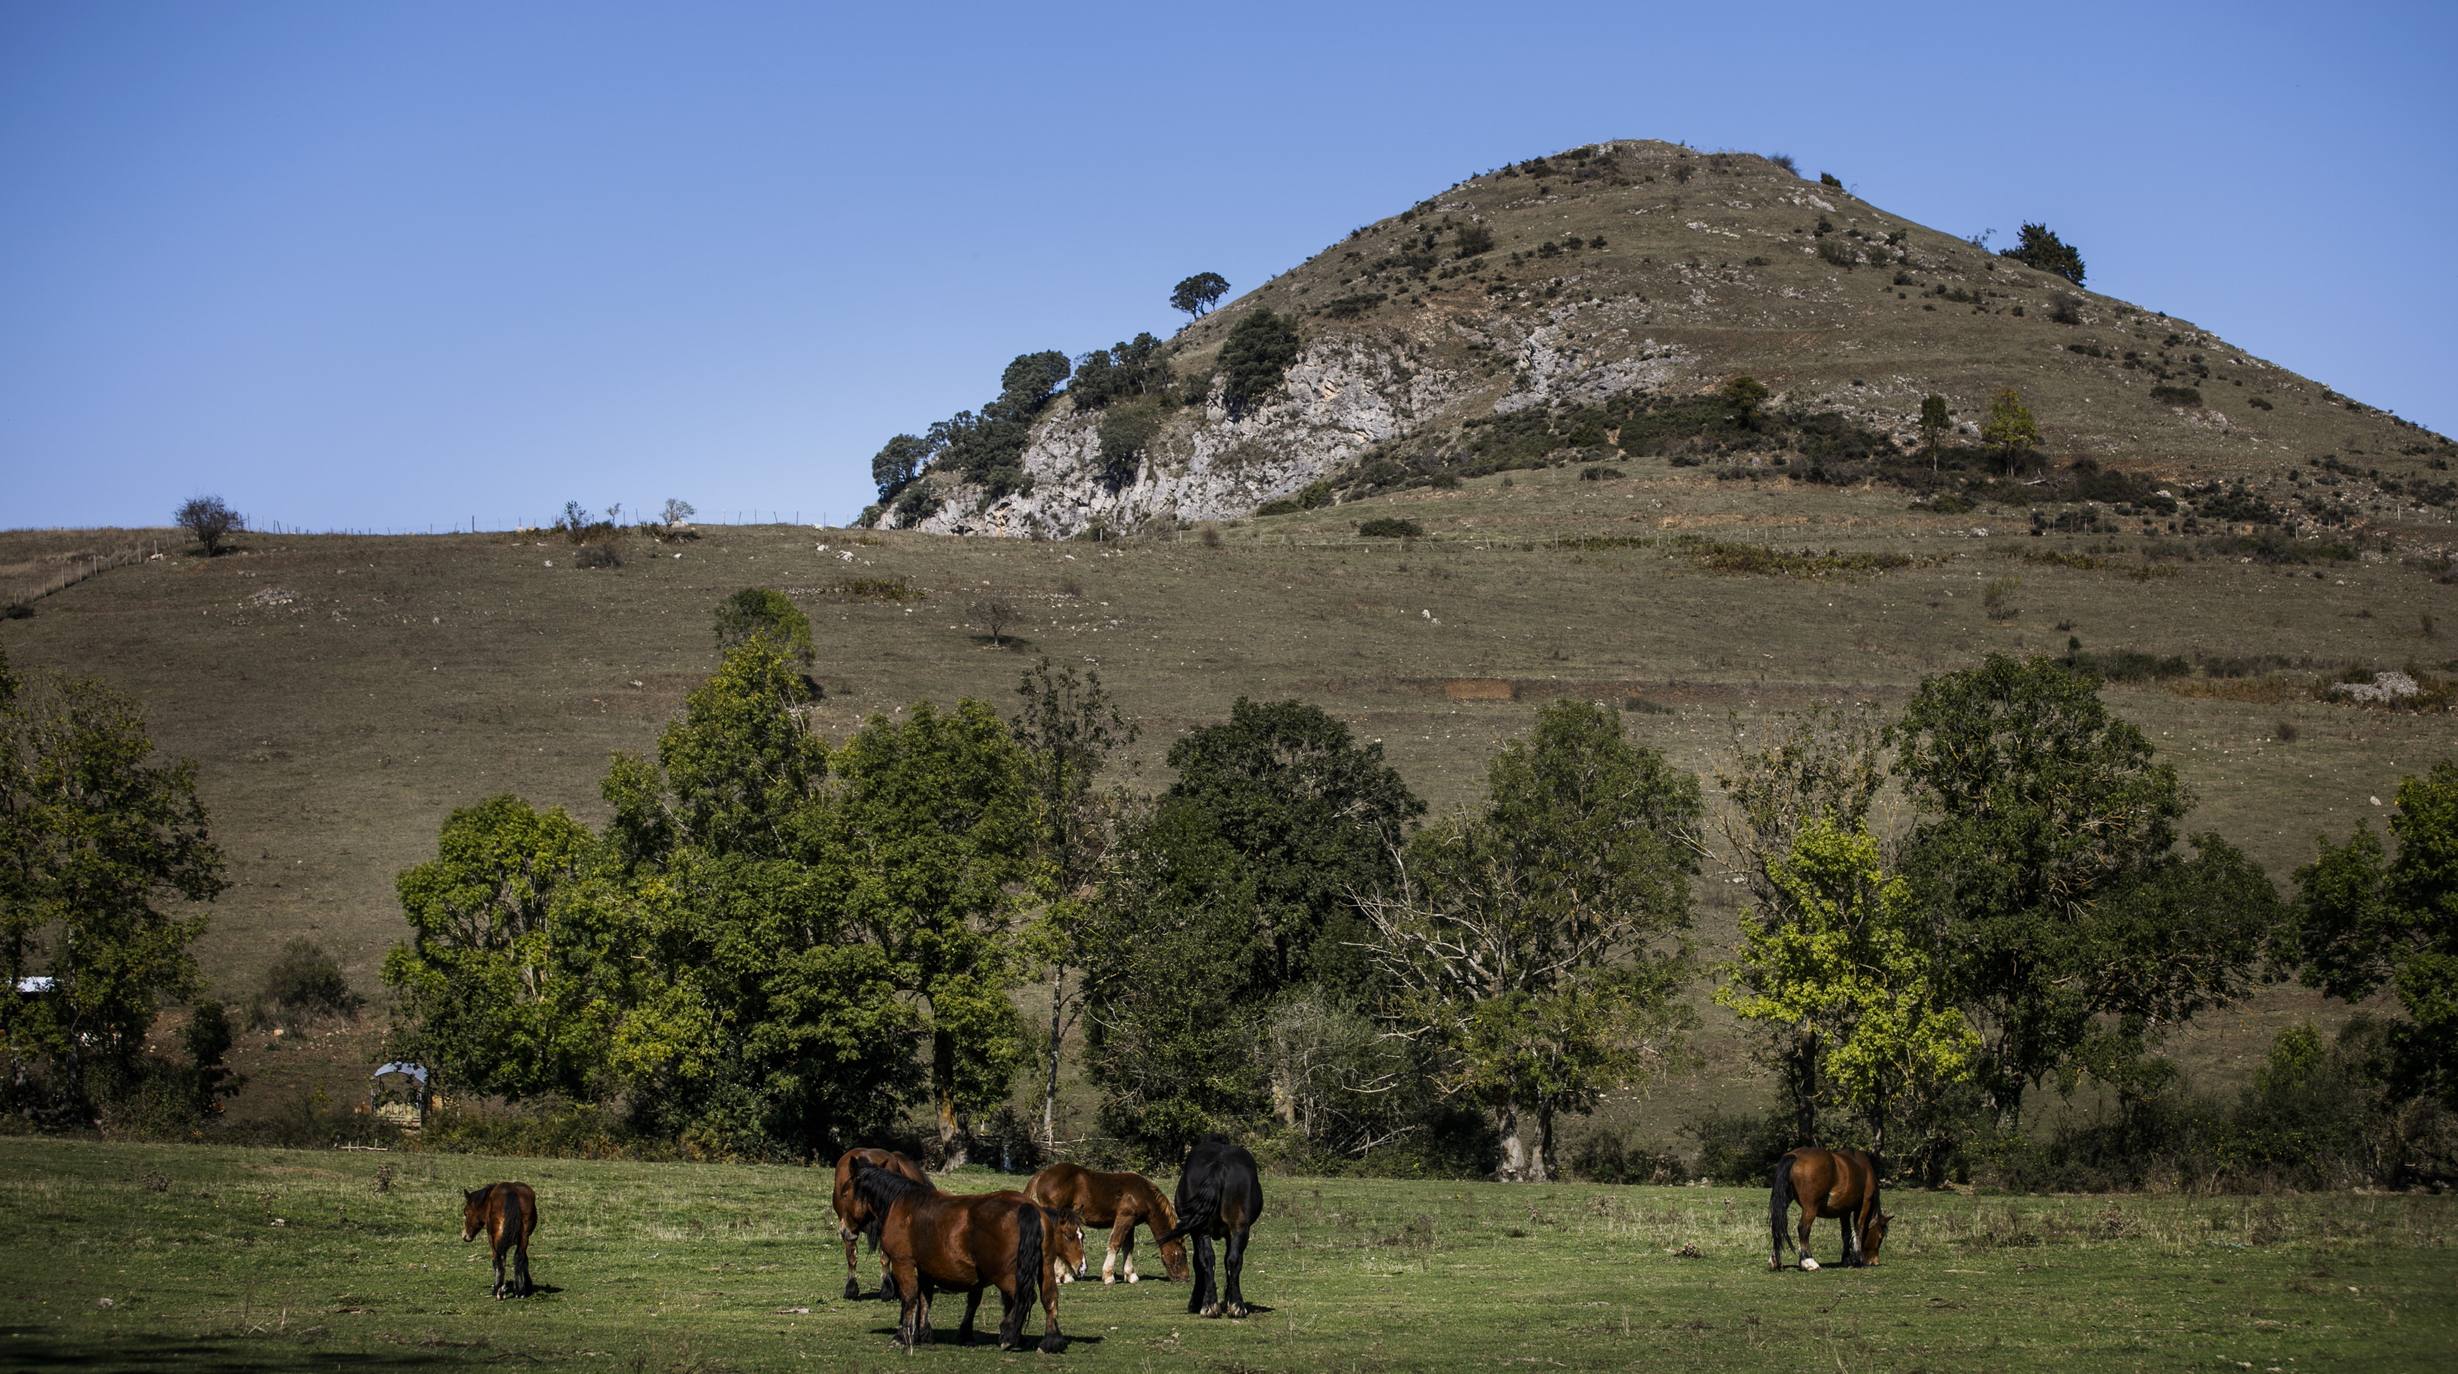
[1340, 399]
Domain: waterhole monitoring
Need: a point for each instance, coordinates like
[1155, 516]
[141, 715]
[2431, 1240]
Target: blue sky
[400, 266]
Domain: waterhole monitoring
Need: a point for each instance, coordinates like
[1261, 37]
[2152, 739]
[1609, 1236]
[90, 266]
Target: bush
[1784, 160]
[1740, 1148]
[1997, 598]
[1390, 527]
[303, 985]
[1603, 1158]
[765, 613]
[2176, 395]
[1829, 179]
[1600, 474]
[1256, 358]
[210, 520]
[1839, 253]
[598, 556]
[1475, 239]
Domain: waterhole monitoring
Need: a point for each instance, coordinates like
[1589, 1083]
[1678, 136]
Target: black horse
[1219, 1197]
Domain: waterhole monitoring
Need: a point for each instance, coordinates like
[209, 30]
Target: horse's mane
[878, 1189]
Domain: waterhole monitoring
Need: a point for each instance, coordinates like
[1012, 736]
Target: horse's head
[1063, 1236]
[1173, 1252]
[1873, 1236]
[473, 1214]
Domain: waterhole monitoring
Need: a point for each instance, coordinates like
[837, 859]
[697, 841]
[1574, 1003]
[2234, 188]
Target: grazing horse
[1219, 1196]
[1842, 1184]
[850, 1219]
[508, 1213]
[936, 1240]
[1118, 1201]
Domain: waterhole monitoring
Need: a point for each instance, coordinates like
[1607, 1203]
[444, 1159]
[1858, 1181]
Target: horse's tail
[1197, 1218]
[1028, 1257]
[1779, 1202]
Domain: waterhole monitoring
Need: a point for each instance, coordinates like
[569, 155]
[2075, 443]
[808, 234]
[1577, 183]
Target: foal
[1120, 1201]
[509, 1213]
[1842, 1184]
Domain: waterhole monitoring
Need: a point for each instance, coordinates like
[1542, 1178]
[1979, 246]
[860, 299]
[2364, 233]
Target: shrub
[1830, 179]
[1312, 496]
[1390, 527]
[918, 503]
[1784, 160]
[2065, 310]
[765, 612]
[1839, 253]
[210, 520]
[303, 985]
[1600, 474]
[2037, 246]
[1475, 239]
[1998, 597]
[599, 556]
[1739, 1148]
[2176, 395]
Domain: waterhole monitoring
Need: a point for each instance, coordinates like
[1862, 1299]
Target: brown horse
[1842, 1184]
[1118, 1201]
[850, 1218]
[936, 1240]
[508, 1213]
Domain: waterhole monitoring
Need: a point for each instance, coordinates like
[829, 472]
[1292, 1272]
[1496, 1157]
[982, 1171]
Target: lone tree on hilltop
[1199, 293]
[2040, 247]
[210, 519]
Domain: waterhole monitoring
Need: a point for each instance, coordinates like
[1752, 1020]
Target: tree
[1537, 946]
[1126, 431]
[1199, 293]
[678, 512]
[1474, 239]
[1067, 728]
[2073, 932]
[1257, 357]
[1029, 382]
[99, 844]
[2009, 428]
[930, 838]
[994, 614]
[898, 462]
[1934, 418]
[1136, 367]
[2038, 247]
[210, 520]
[1841, 963]
[1818, 768]
[766, 613]
[1745, 395]
[494, 993]
[2369, 920]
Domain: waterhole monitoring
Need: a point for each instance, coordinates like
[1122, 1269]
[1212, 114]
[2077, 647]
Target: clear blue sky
[399, 265]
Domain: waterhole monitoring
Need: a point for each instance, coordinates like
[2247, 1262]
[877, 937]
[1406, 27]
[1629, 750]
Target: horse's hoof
[1211, 1310]
[1238, 1310]
[1135, 1278]
[1108, 1279]
[1808, 1265]
[1053, 1344]
[853, 1288]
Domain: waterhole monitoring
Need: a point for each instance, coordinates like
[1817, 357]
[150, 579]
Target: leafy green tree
[1816, 768]
[494, 994]
[898, 462]
[1843, 965]
[1177, 984]
[1126, 432]
[1137, 367]
[766, 613]
[2038, 247]
[99, 845]
[1256, 358]
[2009, 428]
[929, 838]
[1934, 419]
[2073, 932]
[2369, 920]
[1196, 295]
[1067, 728]
[1030, 381]
[1313, 815]
[1538, 944]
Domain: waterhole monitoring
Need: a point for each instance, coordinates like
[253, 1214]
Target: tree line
[776, 943]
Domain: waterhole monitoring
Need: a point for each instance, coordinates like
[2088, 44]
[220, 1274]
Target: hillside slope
[1645, 269]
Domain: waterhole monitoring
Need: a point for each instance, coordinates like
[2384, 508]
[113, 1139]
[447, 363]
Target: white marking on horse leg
[1132, 1277]
[1109, 1266]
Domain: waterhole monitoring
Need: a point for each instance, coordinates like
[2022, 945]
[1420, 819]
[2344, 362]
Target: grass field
[342, 694]
[183, 1257]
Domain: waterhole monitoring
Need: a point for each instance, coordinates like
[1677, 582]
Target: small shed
[400, 1092]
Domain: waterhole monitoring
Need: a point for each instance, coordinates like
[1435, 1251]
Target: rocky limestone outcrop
[1341, 398]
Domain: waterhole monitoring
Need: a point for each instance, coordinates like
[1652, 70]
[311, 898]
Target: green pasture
[194, 1257]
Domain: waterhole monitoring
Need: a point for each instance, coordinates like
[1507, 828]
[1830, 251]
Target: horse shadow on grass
[990, 1337]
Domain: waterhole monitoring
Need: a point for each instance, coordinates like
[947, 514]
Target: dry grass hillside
[343, 694]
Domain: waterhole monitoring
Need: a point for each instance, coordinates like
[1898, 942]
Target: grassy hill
[166, 1257]
[1649, 268]
[343, 694]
